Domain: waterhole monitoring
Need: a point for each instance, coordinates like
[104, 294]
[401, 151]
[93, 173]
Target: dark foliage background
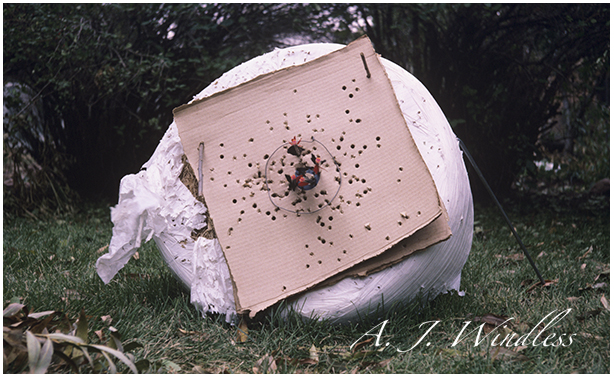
[90, 88]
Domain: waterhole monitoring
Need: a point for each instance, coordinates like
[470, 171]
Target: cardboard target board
[307, 172]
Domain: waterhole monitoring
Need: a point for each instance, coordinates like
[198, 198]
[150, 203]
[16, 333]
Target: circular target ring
[302, 176]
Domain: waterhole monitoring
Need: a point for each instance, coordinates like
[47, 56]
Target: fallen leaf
[136, 256]
[589, 336]
[313, 353]
[264, 365]
[546, 284]
[491, 319]
[100, 335]
[102, 249]
[583, 266]
[242, 331]
[199, 370]
[605, 302]
[106, 319]
[573, 299]
[597, 286]
[12, 309]
[604, 274]
[516, 257]
[590, 249]
[541, 254]
[360, 344]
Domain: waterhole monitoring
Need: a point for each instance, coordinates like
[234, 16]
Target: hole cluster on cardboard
[348, 156]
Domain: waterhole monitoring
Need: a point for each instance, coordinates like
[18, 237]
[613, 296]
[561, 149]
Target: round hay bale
[160, 202]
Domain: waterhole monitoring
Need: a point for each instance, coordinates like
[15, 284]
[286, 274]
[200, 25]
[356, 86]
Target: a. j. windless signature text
[544, 334]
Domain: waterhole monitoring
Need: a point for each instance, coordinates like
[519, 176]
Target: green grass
[50, 265]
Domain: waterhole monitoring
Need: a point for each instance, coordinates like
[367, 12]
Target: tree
[499, 71]
[108, 76]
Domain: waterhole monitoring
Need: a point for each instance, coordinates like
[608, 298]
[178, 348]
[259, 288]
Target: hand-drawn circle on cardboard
[285, 190]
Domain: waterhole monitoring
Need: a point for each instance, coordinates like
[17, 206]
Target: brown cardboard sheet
[374, 189]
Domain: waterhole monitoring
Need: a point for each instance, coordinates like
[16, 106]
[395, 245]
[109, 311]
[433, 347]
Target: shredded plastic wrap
[155, 204]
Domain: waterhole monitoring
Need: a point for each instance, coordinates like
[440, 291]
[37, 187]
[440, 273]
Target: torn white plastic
[154, 203]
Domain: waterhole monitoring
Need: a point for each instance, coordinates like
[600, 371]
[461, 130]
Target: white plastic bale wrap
[154, 203]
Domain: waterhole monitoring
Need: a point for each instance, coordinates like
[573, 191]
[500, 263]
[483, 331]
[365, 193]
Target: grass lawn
[50, 265]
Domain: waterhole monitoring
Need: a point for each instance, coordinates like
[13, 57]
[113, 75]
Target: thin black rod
[509, 223]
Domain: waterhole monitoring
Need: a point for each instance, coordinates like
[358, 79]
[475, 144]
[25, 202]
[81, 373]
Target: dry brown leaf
[264, 365]
[102, 249]
[573, 299]
[362, 343]
[590, 249]
[106, 319]
[589, 336]
[491, 319]
[605, 302]
[100, 336]
[547, 283]
[242, 331]
[597, 286]
[313, 353]
[604, 274]
[516, 257]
